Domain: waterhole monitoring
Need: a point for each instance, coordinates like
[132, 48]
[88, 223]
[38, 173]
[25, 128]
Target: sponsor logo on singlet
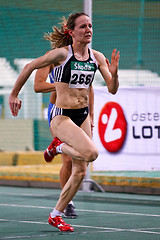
[82, 74]
[112, 126]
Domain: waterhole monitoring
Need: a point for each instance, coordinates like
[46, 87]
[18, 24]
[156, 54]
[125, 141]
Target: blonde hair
[60, 37]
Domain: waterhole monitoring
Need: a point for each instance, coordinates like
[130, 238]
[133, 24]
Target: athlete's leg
[78, 167]
[78, 144]
[65, 174]
[72, 185]
[66, 169]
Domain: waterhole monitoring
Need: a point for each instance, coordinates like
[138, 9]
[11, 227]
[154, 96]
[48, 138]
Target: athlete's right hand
[14, 104]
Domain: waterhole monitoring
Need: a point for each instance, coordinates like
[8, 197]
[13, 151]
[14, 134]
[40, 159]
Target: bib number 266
[81, 79]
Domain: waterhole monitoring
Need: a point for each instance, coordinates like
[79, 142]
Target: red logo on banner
[112, 126]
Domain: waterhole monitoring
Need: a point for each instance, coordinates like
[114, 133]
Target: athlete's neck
[80, 52]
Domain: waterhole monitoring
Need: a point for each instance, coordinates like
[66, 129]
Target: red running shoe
[50, 152]
[60, 224]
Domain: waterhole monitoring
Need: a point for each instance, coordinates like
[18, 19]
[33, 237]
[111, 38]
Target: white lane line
[125, 213]
[23, 206]
[82, 226]
[24, 194]
[21, 237]
[53, 234]
[139, 231]
[83, 210]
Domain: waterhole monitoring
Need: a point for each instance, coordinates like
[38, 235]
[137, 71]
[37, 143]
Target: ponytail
[61, 37]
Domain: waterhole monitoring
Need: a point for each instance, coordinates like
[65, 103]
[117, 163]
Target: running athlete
[40, 85]
[74, 69]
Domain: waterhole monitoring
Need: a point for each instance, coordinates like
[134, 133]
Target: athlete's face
[83, 30]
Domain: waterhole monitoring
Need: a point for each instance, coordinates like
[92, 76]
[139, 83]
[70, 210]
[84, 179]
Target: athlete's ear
[71, 32]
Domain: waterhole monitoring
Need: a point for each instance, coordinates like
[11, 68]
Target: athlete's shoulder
[63, 50]
[58, 55]
[99, 56]
[60, 52]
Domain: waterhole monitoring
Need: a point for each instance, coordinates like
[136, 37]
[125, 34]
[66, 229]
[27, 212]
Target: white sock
[55, 213]
[71, 202]
[59, 148]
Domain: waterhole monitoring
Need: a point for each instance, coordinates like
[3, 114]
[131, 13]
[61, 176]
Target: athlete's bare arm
[40, 84]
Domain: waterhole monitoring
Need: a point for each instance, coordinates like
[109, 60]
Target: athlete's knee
[92, 154]
[79, 174]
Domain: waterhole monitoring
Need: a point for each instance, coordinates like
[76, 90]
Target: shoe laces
[62, 221]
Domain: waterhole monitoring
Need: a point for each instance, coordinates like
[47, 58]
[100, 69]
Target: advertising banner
[127, 129]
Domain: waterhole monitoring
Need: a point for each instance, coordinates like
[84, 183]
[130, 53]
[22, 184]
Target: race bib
[82, 74]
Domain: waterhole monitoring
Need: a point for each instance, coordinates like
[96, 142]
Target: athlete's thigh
[86, 126]
[68, 132]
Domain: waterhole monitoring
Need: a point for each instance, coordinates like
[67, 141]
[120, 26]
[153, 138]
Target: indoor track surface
[24, 213]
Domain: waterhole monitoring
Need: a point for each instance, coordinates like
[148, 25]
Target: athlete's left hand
[113, 66]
